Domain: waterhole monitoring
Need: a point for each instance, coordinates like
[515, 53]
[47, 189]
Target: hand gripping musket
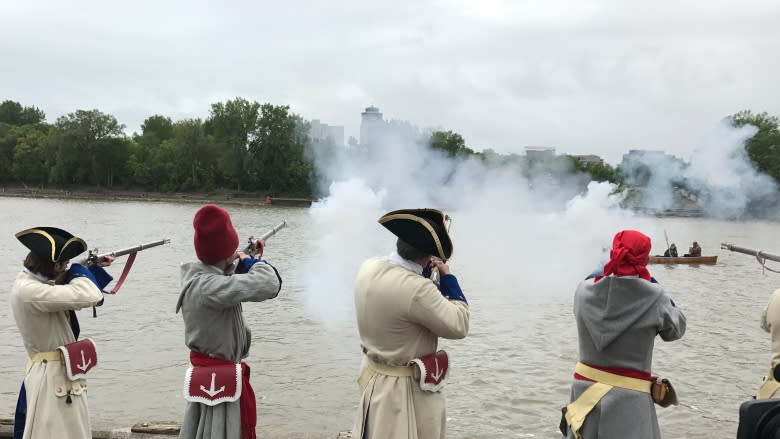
[252, 248]
[761, 257]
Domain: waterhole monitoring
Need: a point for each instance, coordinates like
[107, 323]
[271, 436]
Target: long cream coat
[400, 316]
[770, 322]
[41, 313]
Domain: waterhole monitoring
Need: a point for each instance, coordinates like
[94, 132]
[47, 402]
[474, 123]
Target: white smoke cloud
[347, 233]
[719, 178]
[724, 173]
[526, 237]
[503, 222]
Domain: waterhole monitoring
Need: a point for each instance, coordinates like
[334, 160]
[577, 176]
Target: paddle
[668, 248]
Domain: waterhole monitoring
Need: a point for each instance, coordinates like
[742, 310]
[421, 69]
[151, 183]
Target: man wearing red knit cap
[221, 402]
[619, 313]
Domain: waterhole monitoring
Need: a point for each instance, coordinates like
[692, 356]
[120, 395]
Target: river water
[510, 376]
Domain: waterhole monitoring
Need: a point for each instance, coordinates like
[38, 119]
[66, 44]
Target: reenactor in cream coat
[51, 405]
[401, 313]
[770, 322]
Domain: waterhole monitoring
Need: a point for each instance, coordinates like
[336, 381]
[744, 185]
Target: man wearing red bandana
[619, 314]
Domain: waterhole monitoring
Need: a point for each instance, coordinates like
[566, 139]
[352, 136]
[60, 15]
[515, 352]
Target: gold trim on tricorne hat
[422, 221]
[45, 235]
[54, 255]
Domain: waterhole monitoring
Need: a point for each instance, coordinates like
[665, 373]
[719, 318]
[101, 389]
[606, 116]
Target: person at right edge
[770, 322]
[619, 314]
[401, 313]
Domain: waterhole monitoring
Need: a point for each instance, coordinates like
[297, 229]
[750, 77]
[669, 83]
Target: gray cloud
[599, 76]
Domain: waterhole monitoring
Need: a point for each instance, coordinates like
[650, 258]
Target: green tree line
[243, 146]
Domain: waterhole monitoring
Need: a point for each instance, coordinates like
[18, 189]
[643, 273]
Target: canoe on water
[683, 260]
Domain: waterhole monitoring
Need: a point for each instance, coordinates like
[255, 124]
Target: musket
[757, 253]
[94, 257]
[251, 248]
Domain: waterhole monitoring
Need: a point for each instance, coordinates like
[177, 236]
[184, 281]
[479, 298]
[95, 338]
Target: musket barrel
[273, 231]
[750, 252]
[92, 257]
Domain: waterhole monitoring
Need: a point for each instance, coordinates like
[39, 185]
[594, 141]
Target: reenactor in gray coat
[221, 402]
[619, 314]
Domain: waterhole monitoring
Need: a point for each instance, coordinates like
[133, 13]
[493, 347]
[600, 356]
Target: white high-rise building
[371, 126]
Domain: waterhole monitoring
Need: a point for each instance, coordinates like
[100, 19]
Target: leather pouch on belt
[663, 393]
[80, 357]
[432, 370]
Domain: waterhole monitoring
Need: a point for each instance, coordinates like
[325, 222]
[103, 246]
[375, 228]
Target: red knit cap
[215, 237]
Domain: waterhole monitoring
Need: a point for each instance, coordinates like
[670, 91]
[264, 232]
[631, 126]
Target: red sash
[630, 373]
[247, 399]
[434, 369]
[80, 357]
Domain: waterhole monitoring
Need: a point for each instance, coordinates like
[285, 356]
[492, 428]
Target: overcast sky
[583, 76]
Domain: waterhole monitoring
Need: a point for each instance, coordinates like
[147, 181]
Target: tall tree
[32, 155]
[13, 113]
[451, 143]
[764, 147]
[90, 146]
[194, 153]
[147, 163]
[155, 130]
[278, 151]
[597, 171]
[233, 125]
[8, 140]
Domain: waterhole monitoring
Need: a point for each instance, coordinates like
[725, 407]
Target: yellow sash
[370, 368]
[577, 411]
[769, 387]
[46, 356]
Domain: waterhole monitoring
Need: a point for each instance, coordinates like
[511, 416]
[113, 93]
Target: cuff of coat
[451, 289]
[102, 278]
[78, 270]
[245, 264]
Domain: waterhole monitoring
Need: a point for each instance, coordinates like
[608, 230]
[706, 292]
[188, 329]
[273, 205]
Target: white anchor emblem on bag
[211, 392]
[212, 385]
[70, 354]
[84, 363]
[437, 375]
[433, 369]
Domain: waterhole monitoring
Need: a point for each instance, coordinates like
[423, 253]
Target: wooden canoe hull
[683, 260]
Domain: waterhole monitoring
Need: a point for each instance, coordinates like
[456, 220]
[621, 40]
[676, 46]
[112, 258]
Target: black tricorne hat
[51, 243]
[427, 230]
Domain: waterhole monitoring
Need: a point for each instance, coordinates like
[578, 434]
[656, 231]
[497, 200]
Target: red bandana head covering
[629, 255]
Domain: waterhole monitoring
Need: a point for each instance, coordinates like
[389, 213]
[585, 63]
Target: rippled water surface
[510, 375]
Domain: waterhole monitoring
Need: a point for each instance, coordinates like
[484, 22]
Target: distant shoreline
[240, 199]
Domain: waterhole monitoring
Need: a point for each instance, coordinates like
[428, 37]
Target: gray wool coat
[214, 324]
[618, 319]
